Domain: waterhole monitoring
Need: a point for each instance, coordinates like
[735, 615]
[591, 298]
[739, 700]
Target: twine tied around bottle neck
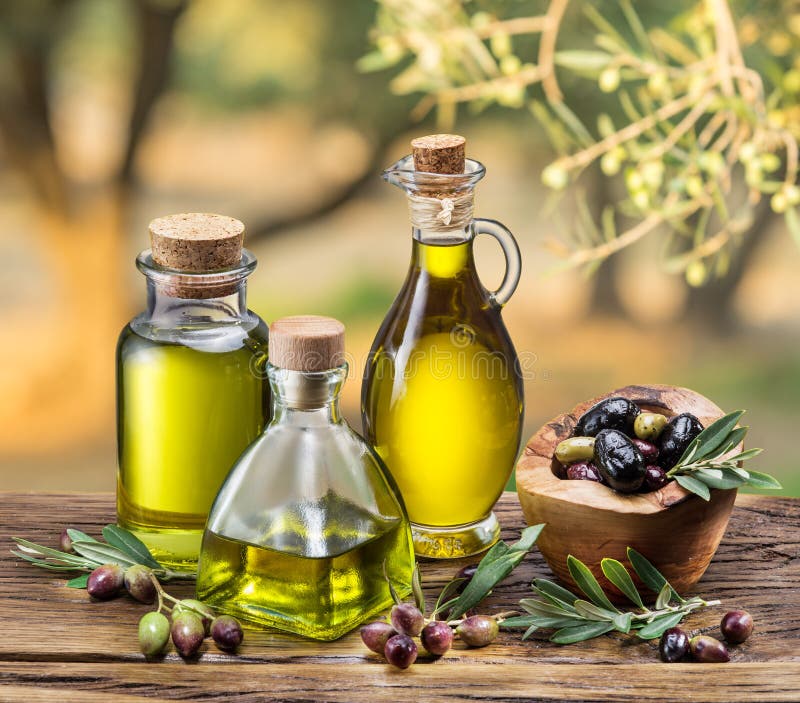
[441, 214]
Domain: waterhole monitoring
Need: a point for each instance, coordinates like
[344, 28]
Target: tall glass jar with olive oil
[191, 383]
[442, 397]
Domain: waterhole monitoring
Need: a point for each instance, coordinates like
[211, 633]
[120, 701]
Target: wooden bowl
[678, 531]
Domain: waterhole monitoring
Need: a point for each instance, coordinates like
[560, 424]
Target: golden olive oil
[184, 416]
[442, 397]
[288, 576]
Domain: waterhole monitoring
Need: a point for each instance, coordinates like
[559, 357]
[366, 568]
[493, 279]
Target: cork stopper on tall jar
[439, 153]
[307, 343]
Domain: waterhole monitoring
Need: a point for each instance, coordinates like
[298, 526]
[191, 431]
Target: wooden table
[57, 645]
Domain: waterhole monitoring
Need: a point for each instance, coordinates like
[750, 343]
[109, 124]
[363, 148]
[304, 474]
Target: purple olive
[200, 609]
[708, 650]
[64, 541]
[478, 630]
[583, 471]
[376, 634]
[227, 633]
[736, 626]
[400, 651]
[648, 449]
[105, 581]
[188, 633]
[437, 637]
[654, 478]
[407, 619]
[674, 645]
[466, 573]
[139, 584]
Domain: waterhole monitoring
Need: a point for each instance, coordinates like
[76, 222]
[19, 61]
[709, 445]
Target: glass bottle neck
[164, 307]
[442, 254]
[306, 399]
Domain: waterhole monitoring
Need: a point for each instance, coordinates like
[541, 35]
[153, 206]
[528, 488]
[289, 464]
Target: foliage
[698, 136]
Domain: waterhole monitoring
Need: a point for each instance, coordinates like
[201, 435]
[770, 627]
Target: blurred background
[113, 112]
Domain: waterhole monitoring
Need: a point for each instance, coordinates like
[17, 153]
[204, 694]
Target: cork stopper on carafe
[196, 242]
[439, 153]
[308, 343]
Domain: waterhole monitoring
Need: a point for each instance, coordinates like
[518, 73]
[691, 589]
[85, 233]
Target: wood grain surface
[57, 645]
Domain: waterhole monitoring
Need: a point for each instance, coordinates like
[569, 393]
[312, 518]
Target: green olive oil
[184, 416]
[287, 576]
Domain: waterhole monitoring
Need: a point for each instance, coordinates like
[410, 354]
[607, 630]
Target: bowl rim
[535, 477]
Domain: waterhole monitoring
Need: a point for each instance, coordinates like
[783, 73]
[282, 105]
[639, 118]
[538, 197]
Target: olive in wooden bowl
[678, 531]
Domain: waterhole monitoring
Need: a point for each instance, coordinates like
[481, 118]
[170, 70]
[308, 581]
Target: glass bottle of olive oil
[191, 383]
[308, 519]
[442, 397]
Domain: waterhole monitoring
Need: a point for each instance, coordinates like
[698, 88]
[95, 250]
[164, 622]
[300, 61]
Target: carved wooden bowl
[677, 531]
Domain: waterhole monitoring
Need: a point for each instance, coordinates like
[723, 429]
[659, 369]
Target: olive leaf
[78, 581]
[495, 566]
[130, 544]
[575, 619]
[711, 460]
[416, 589]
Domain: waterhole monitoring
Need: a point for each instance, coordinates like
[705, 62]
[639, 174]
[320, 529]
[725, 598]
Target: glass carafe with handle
[442, 397]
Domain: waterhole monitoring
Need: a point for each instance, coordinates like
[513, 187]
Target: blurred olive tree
[695, 112]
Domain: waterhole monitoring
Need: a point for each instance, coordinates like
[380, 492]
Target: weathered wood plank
[57, 639]
[433, 683]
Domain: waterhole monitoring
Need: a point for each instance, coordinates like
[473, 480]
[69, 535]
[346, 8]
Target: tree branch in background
[547, 50]
[156, 34]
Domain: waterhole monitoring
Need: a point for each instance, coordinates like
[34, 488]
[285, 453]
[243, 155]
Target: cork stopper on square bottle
[308, 343]
[196, 242]
[439, 153]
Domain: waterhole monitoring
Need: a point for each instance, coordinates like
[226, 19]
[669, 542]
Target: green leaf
[131, 545]
[571, 120]
[392, 591]
[623, 622]
[694, 485]
[78, 536]
[592, 612]
[588, 583]
[748, 454]
[529, 632]
[498, 563]
[657, 628]
[719, 478]
[537, 607]
[580, 633]
[416, 589]
[555, 592]
[615, 572]
[734, 439]
[445, 595]
[583, 61]
[517, 621]
[38, 549]
[78, 581]
[648, 574]
[759, 480]
[102, 553]
[51, 565]
[664, 597]
[713, 437]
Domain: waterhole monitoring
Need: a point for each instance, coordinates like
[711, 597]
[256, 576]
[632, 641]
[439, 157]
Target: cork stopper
[196, 242]
[439, 153]
[306, 343]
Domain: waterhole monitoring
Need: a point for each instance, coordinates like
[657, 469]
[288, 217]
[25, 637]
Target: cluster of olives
[192, 621]
[617, 444]
[675, 644]
[395, 639]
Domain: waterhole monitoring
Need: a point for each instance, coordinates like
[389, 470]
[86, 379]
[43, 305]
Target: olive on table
[466, 573]
[407, 619]
[648, 426]
[620, 463]
[583, 471]
[436, 637]
[188, 633]
[575, 449]
[139, 583]
[375, 635]
[153, 633]
[478, 630]
[200, 609]
[708, 650]
[676, 437]
[227, 633]
[736, 626]
[674, 645]
[105, 581]
[400, 651]
[610, 414]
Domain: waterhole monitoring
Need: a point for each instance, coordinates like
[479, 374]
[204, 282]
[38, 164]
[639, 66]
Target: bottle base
[176, 549]
[433, 542]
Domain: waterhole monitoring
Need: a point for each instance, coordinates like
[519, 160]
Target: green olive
[648, 426]
[575, 449]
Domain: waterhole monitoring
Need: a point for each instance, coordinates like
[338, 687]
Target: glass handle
[513, 258]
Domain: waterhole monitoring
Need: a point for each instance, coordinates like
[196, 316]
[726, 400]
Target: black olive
[677, 435]
[620, 462]
[609, 414]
